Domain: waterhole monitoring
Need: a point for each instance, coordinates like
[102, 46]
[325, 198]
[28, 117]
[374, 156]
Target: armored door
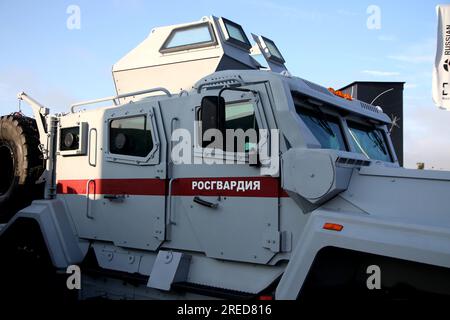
[127, 201]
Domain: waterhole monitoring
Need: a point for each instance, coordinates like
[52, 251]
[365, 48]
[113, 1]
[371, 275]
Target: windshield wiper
[323, 123]
[377, 140]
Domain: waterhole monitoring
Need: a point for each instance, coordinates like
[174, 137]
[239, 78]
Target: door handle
[88, 194]
[115, 197]
[169, 209]
[205, 203]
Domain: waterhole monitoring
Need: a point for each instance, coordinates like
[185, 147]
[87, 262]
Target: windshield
[369, 141]
[325, 128]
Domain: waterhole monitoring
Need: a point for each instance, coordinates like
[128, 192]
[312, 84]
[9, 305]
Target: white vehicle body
[140, 215]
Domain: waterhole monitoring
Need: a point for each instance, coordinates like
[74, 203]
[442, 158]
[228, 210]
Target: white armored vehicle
[302, 196]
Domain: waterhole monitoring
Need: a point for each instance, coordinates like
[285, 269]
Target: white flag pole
[441, 70]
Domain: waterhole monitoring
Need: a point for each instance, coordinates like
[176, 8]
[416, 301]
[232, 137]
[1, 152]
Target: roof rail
[113, 98]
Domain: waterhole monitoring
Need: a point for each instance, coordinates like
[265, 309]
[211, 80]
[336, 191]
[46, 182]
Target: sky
[330, 43]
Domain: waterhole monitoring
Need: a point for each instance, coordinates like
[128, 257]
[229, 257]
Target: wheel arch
[412, 244]
[50, 218]
[344, 272]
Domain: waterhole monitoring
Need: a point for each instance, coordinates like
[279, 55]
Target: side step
[137, 279]
[90, 267]
[179, 287]
[212, 291]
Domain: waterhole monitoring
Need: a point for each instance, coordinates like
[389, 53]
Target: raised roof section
[177, 56]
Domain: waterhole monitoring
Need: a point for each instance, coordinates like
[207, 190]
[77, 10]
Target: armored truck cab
[211, 175]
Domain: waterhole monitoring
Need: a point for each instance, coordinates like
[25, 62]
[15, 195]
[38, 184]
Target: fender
[61, 239]
[363, 233]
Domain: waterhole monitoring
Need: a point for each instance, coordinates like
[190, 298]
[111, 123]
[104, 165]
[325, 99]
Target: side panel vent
[370, 107]
[218, 82]
[352, 162]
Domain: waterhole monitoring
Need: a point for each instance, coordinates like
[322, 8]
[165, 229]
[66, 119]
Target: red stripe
[143, 187]
[268, 187]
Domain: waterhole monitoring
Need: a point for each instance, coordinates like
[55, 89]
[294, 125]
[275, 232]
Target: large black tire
[21, 164]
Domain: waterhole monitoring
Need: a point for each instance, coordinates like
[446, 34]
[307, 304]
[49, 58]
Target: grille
[352, 162]
[370, 107]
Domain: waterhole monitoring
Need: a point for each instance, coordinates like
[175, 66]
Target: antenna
[386, 91]
[394, 123]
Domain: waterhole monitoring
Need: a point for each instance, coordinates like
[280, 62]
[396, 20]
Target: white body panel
[135, 209]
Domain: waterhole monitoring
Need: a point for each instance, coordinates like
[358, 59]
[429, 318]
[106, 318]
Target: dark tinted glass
[369, 141]
[70, 139]
[130, 136]
[325, 128]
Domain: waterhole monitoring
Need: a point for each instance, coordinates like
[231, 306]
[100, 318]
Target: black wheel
[21, 164]
[7, 164]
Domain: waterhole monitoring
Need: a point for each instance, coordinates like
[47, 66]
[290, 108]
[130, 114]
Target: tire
[20, 162]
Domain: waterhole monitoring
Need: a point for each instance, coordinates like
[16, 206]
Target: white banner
[441, 71]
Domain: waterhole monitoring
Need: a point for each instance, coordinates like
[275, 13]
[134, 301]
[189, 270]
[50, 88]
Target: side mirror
[212, 114]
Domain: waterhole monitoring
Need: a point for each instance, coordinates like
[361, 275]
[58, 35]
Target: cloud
[410, 85]
[378, 73]
[421, 52]
[15, 80]
[277, 9]
[387, 38]
[347, 13]
[128, 4]
[412, 58]
[78, 53]
[426, 136]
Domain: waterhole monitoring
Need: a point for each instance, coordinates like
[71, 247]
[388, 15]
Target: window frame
[270, 55]
[153, 155]
[328, 112]
[81, 150]
[190, 46]
[329, 118]
[358, 122]
[241, 157]
[344, 117]
[244, 45]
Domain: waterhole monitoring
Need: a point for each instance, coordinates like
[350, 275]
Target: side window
[241, 116]
[190, 37]
[130, 136]
[234, 33]
[238, 124]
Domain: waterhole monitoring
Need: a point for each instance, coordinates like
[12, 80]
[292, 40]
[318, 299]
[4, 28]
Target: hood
[412, 196]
